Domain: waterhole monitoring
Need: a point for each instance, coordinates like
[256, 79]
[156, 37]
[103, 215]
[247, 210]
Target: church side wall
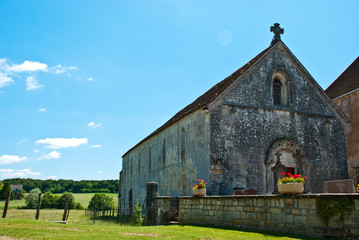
[349, 105]
[245, 124]
[174, 158]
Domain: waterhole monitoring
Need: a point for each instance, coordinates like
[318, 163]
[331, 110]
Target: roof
[346, 82]
[208, 97]
[16, 186]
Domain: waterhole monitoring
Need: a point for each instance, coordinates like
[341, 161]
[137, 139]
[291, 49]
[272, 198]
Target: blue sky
[83, 81]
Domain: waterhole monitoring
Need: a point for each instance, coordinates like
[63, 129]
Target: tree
[32, 197]
[62, 200]
[1, 186]
[49, 200]
[6, 188]
[102, 201]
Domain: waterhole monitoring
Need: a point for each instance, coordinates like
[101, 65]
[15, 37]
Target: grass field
[13, 228]
[83, 198]
[21, 224]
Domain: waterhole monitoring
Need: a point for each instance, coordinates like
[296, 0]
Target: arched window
[280, 89]
[277, 92]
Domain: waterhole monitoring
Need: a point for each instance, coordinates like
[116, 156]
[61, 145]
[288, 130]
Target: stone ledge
[274, 196]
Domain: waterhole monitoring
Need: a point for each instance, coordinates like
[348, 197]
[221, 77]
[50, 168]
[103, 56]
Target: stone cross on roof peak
[277, 32]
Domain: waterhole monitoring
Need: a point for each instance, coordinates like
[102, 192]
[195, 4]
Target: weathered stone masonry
[245, 124]
[277, 213]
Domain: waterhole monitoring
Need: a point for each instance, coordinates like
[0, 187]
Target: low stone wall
[297, 214]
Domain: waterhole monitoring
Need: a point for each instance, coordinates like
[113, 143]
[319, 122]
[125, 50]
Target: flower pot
[291, 188]
[199, 192]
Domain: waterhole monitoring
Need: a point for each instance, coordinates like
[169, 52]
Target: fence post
[69, 208]
[6, 204]
[152, 193]
[38, 207]
[65, 209]
[94, 210]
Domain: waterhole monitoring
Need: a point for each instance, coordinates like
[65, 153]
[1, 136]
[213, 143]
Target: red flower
[306, 178]
[284, 173]
[289, 174]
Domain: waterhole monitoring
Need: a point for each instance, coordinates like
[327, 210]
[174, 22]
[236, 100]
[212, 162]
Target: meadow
[21, 224]
[83, 198]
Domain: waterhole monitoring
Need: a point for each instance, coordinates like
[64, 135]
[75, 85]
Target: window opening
[277, 90]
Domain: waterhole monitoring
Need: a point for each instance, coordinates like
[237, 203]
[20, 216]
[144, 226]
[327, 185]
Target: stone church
[344, 92]
[267, 117]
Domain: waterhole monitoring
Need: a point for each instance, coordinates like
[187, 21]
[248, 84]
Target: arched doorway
[283, 156]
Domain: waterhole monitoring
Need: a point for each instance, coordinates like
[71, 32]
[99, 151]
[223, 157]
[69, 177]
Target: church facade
[268, 116]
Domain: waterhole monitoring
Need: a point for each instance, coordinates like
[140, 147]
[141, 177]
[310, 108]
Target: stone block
[251, 209]
[260, 202]
[260, 210]
[307, 204]
[274, 210]
[300, 219]
[339, 186]
[356, 204]
[296, 212]
[289, 202]
[211, 213]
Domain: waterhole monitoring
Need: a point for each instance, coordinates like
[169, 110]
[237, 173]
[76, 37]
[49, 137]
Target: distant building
[344, 91]
[267, 117]
[16, 189]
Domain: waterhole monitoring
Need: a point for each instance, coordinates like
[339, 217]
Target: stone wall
[174, 158]
[350, 107]
[277, 213]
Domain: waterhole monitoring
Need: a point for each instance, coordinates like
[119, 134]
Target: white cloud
[93, 125]
[42, 110]
[72, 68]
[9, 159]
[58, 69]
[5, 80]
[52, 155]
[90, 79]
[95, 146]
[32, 83]
[58, 143]
[21, 141]
[11, 173]
[51, 177]
[99, 172]
[36, 150]
[28, 66]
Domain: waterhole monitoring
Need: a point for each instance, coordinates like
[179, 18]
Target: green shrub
[102, 201]
[138, 217]
[79, 206]
[62, 200]
[5, 189]
[49, 200]
[32, 198]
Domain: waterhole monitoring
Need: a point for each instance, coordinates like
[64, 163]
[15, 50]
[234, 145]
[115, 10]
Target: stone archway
[283, 156]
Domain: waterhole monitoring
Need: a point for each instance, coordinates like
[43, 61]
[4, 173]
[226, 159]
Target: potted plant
[291, 184]
[199, 189]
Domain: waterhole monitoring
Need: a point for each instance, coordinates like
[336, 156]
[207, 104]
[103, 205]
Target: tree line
[62, 185]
